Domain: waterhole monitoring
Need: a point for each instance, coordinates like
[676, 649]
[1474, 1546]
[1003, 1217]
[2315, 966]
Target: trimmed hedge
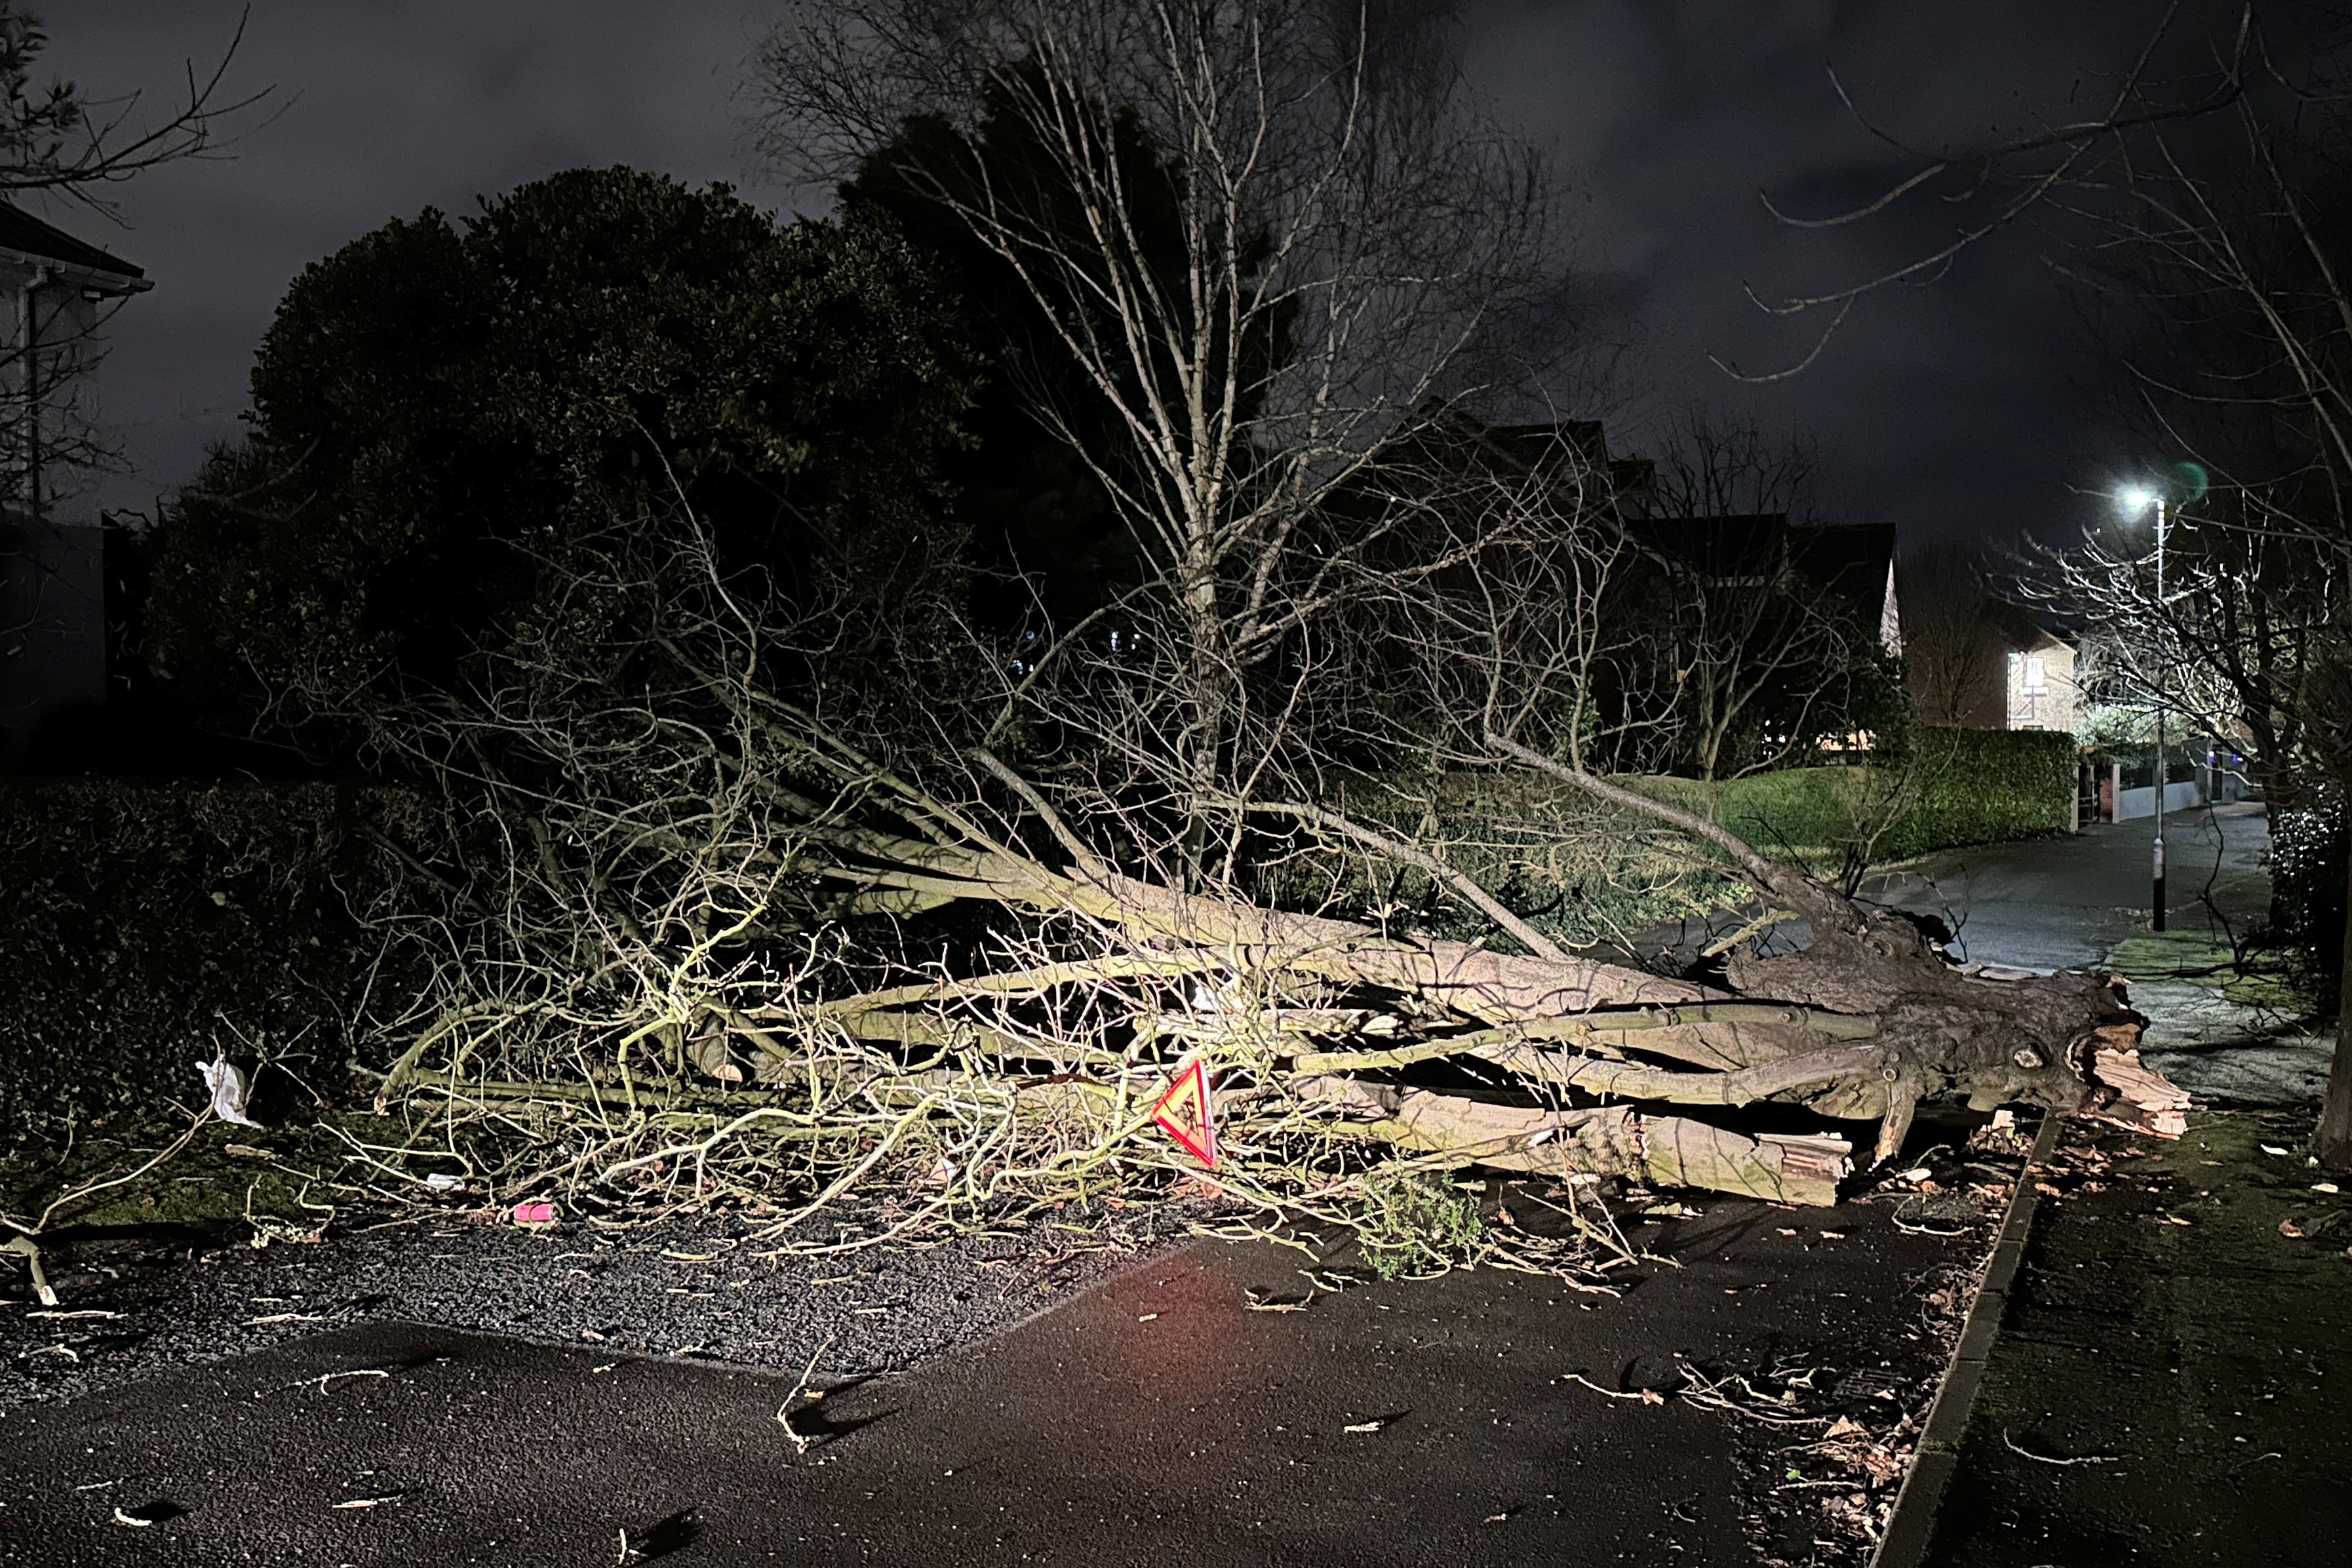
[143, 923]
[1955, 787]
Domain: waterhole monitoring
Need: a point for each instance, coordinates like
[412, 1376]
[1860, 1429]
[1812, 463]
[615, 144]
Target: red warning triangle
[1183, 1113]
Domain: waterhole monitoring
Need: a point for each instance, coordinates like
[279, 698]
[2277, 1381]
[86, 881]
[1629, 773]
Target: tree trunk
[2332, 1142]
[1861, 1025]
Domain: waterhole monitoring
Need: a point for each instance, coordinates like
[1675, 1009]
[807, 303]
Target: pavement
[2169, 1386]
[1166, 1415]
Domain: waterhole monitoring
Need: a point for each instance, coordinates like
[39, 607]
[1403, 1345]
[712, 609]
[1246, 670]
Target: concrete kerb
[1904, 1544]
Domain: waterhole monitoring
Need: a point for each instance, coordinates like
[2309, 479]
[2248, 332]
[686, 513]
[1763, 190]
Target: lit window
[2037, 676]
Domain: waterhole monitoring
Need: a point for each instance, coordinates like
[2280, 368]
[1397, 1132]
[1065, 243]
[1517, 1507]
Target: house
[2037, 679]
[1973, 662]
[56, 290]
[1852, 563]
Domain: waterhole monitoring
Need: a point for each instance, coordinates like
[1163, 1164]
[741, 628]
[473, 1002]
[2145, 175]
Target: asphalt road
[1156, 1418]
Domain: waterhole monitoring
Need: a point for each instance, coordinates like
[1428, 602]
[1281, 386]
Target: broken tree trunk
[1860, 1026]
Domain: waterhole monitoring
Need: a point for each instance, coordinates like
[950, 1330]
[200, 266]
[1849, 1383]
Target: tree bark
[2331, 1141]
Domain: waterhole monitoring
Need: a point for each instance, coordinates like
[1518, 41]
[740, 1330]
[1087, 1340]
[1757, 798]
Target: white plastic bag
[227, 1086]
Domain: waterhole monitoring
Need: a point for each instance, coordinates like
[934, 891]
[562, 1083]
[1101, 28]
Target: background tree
[61, 147]
[442, 417]
[2238, 252]
[1761, 659]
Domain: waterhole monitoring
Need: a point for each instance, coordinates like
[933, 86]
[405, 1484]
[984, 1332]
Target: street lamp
[2134, 500]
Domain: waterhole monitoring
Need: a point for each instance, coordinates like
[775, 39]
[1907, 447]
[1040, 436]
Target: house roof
[1852, 561]
[2020, 629]
[22, 232]
[1849, 558]
[1732, 544]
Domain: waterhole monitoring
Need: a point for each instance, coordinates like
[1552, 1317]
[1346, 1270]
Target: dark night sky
[1958, 409]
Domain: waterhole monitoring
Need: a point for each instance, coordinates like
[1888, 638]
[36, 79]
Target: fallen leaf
[2325, 1187]
[1832, 1236]
[1146, 1317]
[1363, 1426]
[2171, 1219]
[1916, 1174]
[2274, 1149]
[1845, 1427]
[1652, 1396]
[2287, 1227]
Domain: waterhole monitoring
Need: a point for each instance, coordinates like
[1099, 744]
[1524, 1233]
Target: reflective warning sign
[1183, 1113]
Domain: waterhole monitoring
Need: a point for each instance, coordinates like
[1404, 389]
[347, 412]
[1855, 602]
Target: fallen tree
[639, 1023]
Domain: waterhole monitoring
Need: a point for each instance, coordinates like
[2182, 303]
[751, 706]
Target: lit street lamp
[2135, 500]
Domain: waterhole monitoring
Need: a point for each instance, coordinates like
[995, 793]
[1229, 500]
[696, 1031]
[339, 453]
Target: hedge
[1954, 787]
[144, 923]
[2309, 846]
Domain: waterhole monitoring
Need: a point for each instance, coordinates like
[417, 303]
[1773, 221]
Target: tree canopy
[442, 412]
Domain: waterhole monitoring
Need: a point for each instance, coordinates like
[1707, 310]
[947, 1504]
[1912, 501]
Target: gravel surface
[704, 1286]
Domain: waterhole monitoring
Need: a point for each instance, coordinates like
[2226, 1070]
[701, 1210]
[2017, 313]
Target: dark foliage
[445, 419]
[147, 926]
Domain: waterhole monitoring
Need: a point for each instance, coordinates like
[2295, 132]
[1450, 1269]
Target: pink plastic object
[535, 1214]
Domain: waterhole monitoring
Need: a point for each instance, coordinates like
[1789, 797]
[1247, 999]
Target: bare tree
[2240, 255]
[669, 947]
[1760, 659]
[2233, 240]
[687, 929]
[1951, 652]
[1269, 237]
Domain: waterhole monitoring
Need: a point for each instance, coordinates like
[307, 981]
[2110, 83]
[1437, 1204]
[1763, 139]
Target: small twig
[324, 1378]
[1645, 1395]
[801, 1445]
[2011, 1444]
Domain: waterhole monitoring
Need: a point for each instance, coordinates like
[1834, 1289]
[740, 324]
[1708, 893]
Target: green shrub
[2308, 848]
[1418, 1223]
[1951, 787]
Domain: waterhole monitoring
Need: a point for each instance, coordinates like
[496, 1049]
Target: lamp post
[2135, 500]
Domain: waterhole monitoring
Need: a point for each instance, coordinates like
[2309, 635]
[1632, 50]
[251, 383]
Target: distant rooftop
[21, 232]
